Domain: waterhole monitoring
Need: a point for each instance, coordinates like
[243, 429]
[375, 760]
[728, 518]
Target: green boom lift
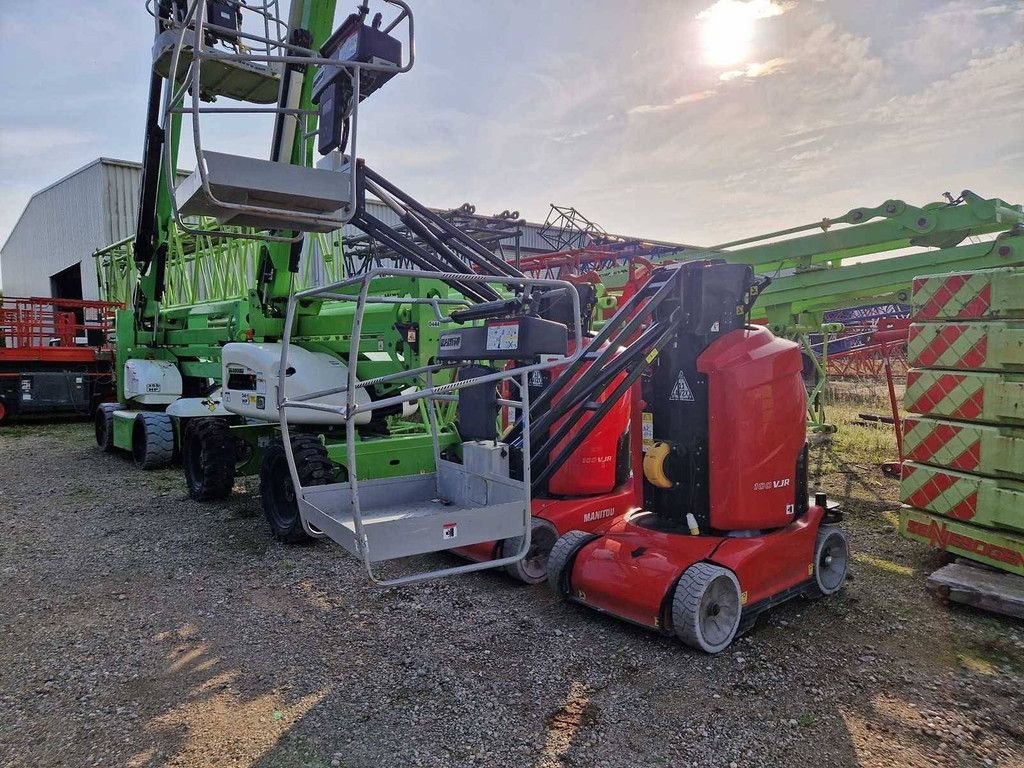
[217, 253]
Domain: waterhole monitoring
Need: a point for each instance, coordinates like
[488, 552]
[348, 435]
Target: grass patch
[806, 720]
[974, 663]
[989, 656]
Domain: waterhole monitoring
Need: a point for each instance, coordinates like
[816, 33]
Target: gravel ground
[143, 629]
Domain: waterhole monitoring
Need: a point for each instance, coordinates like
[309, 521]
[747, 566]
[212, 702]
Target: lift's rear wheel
[152, 440]
[104, 424]
[831, 560]
[706, 607]
[532, 569]
[561, 559]
[208, 457]
[277, 492]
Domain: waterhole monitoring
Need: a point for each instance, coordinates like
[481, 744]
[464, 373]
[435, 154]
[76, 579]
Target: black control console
[513, 338]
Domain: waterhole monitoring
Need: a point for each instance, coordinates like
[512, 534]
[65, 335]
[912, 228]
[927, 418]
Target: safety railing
[404, 514]
[316, 210]
[37, 322]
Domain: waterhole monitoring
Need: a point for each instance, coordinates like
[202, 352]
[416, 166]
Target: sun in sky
[727, 28]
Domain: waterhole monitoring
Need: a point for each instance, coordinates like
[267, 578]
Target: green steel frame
[192, 293]
[812, 273]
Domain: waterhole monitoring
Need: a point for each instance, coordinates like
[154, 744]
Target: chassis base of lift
[705, 589]
[552, 518]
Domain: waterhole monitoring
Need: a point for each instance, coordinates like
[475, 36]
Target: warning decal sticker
[647, 430]
[681, 392]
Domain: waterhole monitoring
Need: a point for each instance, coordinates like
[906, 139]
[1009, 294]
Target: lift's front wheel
[562, 556]
[152, 440]
[208, 457]
[706, 607]
[533, 568]
[831, 560]
[277, 492]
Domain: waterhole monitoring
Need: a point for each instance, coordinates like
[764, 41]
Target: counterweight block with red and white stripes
[991, 346]
[985, 501]
[997, 548]
[967, 395]
[982, 449]
[991, 293]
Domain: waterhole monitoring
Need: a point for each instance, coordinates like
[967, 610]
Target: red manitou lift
[54, 355]
[593, 483]
[718, 525]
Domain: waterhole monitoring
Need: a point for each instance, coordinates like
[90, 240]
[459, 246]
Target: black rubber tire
[831, 561]
[277, 492]
[561, 558]
[208, 458]
[103, 421]
[532, 569]
[706, 607]
[152, 440]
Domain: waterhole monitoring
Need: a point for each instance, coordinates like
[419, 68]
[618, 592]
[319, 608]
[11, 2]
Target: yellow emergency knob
[654, 465]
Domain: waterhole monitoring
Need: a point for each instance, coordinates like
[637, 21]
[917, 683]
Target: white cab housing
[249, 383]
[151, 382]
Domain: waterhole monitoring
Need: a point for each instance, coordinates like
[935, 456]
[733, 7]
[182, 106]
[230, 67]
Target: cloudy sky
[693, 121]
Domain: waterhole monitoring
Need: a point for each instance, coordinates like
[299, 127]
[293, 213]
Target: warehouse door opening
[67, 284]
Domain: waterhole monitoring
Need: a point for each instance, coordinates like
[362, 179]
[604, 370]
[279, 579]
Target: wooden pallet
[981, 587]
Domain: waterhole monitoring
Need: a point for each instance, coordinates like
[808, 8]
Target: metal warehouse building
[50, 250]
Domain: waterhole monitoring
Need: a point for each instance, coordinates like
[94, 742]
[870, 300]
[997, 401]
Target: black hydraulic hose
[539, 476]
[600, 377]
[424, 233]
[566, 375]
[583, 388]
[499, 265]
[152, 154]
[417, 227]
[615, 332]
[421, 258]
[462, 258]
[554, 462]
[654, 339]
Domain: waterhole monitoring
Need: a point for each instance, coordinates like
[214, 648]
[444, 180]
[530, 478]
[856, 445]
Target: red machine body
[724, 528]
[593, 468]
[756, 435]
[631, 570]
[756, 402]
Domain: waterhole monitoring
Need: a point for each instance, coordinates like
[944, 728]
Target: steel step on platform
[413, 515]
[239, 80]
[291, 192]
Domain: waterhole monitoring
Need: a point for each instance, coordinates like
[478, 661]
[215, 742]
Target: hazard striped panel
[1000, 549]
[967, 346]
[968, 395]
[965, 447]
[983, 501]
[992, 293]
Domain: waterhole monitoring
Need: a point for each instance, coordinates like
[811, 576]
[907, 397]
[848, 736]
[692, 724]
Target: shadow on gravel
[154, 631]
